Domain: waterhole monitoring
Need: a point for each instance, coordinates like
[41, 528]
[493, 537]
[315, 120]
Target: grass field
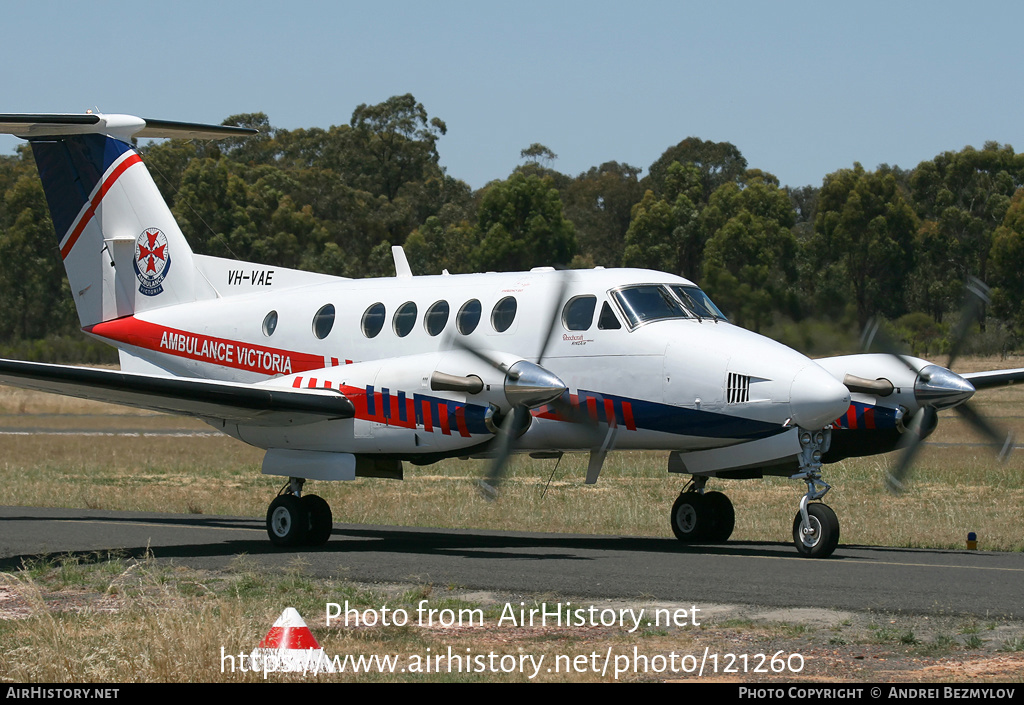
[114, 619]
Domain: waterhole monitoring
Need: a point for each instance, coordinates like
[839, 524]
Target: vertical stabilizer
[122, 249]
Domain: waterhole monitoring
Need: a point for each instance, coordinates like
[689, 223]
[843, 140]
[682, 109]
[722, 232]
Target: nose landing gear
[815, 527]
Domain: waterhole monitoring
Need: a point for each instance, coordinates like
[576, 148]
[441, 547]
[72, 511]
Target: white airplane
[337, 378]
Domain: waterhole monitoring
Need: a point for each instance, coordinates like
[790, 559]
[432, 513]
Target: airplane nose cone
[817, 398]
[939, 388]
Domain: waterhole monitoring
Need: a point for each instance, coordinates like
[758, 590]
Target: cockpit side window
[644, 303]
[698, 302]
[608, 321]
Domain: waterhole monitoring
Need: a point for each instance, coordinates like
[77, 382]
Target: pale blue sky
[802, 88]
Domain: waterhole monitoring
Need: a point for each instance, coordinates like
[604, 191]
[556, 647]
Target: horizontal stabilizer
[252, 404]
[124, 127]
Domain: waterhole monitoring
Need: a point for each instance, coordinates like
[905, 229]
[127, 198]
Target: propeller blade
[977, 297]
[875, 337]
[480, 354]
[507, 433]
[920, 426]
[553, 318]
[1001, 440]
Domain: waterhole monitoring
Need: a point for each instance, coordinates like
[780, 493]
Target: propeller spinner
[936, 388]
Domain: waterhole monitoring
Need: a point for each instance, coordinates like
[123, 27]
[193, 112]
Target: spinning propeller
[528, 385]
[935, 388]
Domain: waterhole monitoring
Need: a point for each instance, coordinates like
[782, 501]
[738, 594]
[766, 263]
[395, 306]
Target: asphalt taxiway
[858, 578]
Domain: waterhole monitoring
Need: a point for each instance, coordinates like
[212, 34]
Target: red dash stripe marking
[627, 415]
[609, 412]
[460, 421]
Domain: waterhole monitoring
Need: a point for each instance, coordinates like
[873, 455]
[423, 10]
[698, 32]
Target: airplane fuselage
[676, 382]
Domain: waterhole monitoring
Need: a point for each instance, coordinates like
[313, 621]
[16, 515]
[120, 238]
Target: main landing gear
[702, 517]
[294, 519]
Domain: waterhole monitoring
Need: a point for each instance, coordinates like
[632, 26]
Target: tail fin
[122, 249]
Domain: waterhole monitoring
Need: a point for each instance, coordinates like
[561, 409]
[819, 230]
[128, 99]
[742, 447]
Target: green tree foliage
[398, 144]
[961, 198]
[600, 202]
[435, 247]
[521, 225]
[35, 294]
[863, 246]
[717, 162]
[665, 231]
[538, 154]
[750, 262]
[1007, 259]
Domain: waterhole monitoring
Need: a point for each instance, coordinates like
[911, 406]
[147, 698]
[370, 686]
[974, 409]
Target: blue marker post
[972, 541]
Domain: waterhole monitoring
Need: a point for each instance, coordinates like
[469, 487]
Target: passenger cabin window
[608, 321]
[405, 319]
[270, 324]
[469, 317]
[436, 317]
[373, 320]
[648, 302]
[698, 302]
[323, 321]
[503, 314]
[578, 313]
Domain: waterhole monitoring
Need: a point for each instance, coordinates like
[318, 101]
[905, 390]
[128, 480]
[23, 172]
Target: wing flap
[251, 404]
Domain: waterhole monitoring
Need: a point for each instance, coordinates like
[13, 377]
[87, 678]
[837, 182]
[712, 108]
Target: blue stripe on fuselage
[666, 418]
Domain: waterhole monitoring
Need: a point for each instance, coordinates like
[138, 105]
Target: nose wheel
[818, 535]
[294, 519]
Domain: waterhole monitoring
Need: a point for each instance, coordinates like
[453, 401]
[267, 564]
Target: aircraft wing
[252, 404]
[994, 378]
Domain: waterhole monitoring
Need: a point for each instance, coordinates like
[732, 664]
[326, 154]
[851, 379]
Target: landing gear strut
[294, 519]
[702, 517]
[815, 527]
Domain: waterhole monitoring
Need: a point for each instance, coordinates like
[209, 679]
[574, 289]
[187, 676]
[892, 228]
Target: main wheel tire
[690, 517]
[721, 517]
[823, 538]
[321, 523]
[287, 521]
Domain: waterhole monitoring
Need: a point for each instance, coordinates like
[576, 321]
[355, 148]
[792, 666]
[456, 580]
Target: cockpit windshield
[698, 302]
[644, 303]
[648, 302]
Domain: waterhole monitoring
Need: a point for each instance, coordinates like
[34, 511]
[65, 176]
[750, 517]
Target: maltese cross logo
[152, 261]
